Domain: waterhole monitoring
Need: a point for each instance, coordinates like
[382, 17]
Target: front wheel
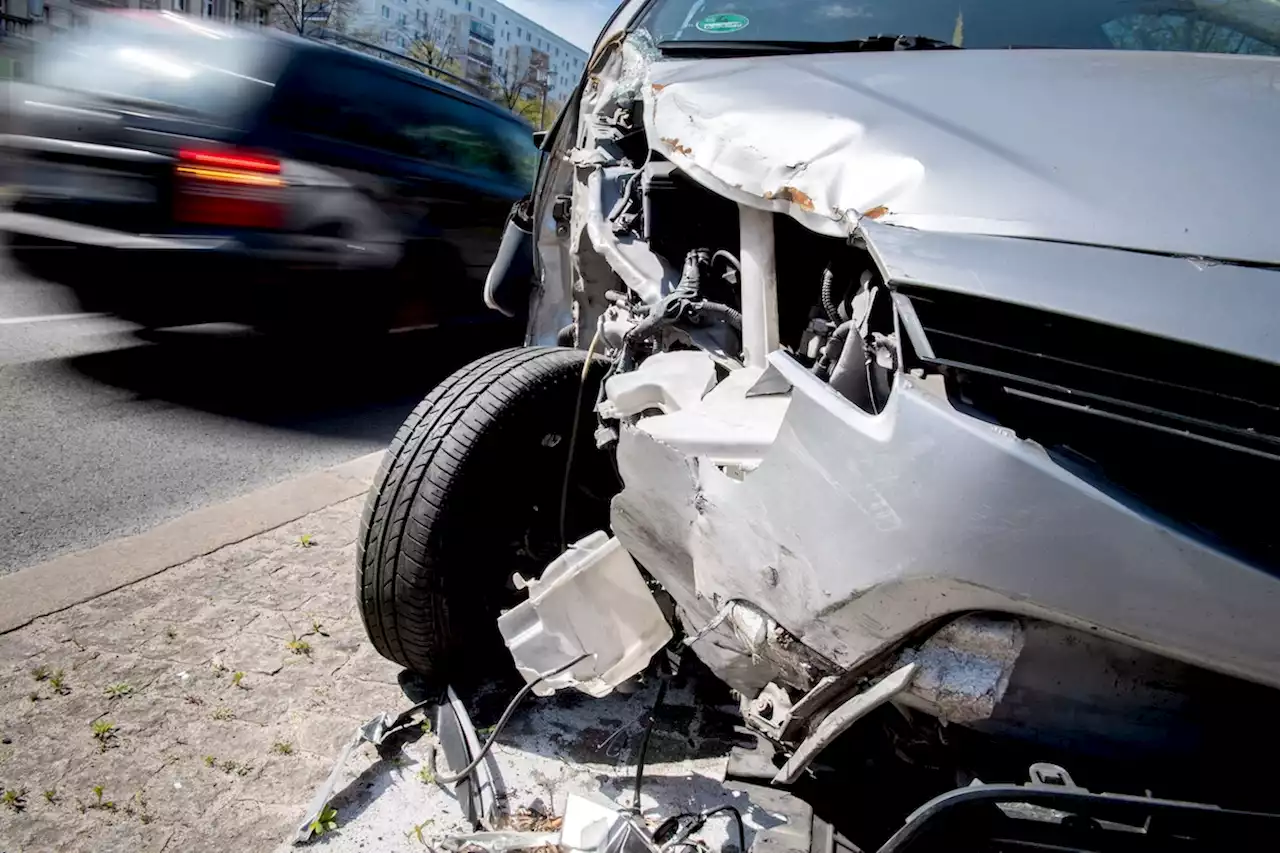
[470, 493]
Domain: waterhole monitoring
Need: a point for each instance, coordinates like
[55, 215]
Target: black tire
[469, 493]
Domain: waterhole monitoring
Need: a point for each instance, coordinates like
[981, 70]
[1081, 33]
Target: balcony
[482, 32]
[480, 59]
[14, 25]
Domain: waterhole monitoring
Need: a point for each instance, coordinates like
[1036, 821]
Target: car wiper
[769, 46]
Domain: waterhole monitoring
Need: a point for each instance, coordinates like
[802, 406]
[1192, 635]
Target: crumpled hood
[1161, 152]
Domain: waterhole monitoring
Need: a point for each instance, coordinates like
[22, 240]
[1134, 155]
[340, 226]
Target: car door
[474, 163]
[440, 170]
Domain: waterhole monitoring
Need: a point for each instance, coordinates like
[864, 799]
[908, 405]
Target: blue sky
[580, 21]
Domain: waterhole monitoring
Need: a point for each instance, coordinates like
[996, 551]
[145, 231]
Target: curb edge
[47, 588]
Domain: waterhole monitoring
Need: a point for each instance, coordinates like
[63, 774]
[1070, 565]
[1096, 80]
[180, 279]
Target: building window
[237, 10]
[519, 32]
[386, 12]
[482, 11]
[468, 5]
[208, 8]
[178, 5]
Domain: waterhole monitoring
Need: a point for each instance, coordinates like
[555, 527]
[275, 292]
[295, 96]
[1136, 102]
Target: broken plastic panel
[591, 600]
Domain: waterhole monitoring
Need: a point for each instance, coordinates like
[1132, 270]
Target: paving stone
[177, 639]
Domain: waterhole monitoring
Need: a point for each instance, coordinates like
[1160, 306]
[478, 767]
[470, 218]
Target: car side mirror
[540, 138]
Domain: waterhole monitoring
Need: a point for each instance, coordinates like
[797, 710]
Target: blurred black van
[176, 172]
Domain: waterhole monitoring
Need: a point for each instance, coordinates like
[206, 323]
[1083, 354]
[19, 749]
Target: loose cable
[449, 779]
[573, 434]
[644, 743]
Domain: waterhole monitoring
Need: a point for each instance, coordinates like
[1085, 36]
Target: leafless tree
[303, 16]
[436, 46]
[511, 82]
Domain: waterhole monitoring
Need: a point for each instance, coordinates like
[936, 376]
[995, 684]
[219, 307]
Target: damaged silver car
[913, 364]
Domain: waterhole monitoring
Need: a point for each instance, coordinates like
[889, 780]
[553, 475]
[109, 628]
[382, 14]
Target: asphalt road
[104, 433]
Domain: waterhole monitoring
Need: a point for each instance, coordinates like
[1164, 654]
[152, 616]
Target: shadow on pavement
[329, 387]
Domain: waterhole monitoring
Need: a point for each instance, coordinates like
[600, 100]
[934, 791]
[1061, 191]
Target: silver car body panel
[857, 530]
[1225, 307]
[1157, 152]
[1137, 196]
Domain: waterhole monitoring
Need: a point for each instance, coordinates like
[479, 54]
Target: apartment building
[492, 44]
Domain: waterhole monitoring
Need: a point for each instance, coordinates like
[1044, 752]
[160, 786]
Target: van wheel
[468, 494]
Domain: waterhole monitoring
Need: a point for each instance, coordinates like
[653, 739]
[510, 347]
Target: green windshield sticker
[723, 23]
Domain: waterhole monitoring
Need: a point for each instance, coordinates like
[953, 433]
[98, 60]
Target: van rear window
[361, 105]
[162, 59]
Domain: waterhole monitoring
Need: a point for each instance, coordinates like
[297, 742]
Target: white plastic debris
[592, 599]
[596, 825]
[500, 842]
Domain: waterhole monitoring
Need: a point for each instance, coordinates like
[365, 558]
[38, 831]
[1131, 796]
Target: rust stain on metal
[792, 195]
[677, 147]
[876, 212]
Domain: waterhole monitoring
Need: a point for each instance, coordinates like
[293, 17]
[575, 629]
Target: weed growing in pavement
[326, 822]
[229, 766]
[99, 803]
[223, 714]
[305, 541]
[105, 733]
[236, 679]
[282, 747]
[426, 776]
[51, 796]
[299, 645]
[40, 673]
[58, 681]
[416, 832]
[14, 798]
[118, 691]
[426, 727]
[138, 808]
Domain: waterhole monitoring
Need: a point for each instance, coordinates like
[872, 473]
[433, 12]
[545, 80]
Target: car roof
[302, 45]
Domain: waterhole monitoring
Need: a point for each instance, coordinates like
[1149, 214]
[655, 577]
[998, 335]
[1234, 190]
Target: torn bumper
[855, 531]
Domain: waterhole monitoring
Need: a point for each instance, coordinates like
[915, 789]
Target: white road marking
[47, 318]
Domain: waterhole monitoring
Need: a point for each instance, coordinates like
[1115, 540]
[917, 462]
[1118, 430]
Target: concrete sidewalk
[196, 707]
[221, 690]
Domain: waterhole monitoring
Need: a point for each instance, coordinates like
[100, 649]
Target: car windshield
[162, 59]
[1205, 26]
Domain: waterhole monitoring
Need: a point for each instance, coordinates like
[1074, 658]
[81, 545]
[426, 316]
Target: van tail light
[228, 188]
